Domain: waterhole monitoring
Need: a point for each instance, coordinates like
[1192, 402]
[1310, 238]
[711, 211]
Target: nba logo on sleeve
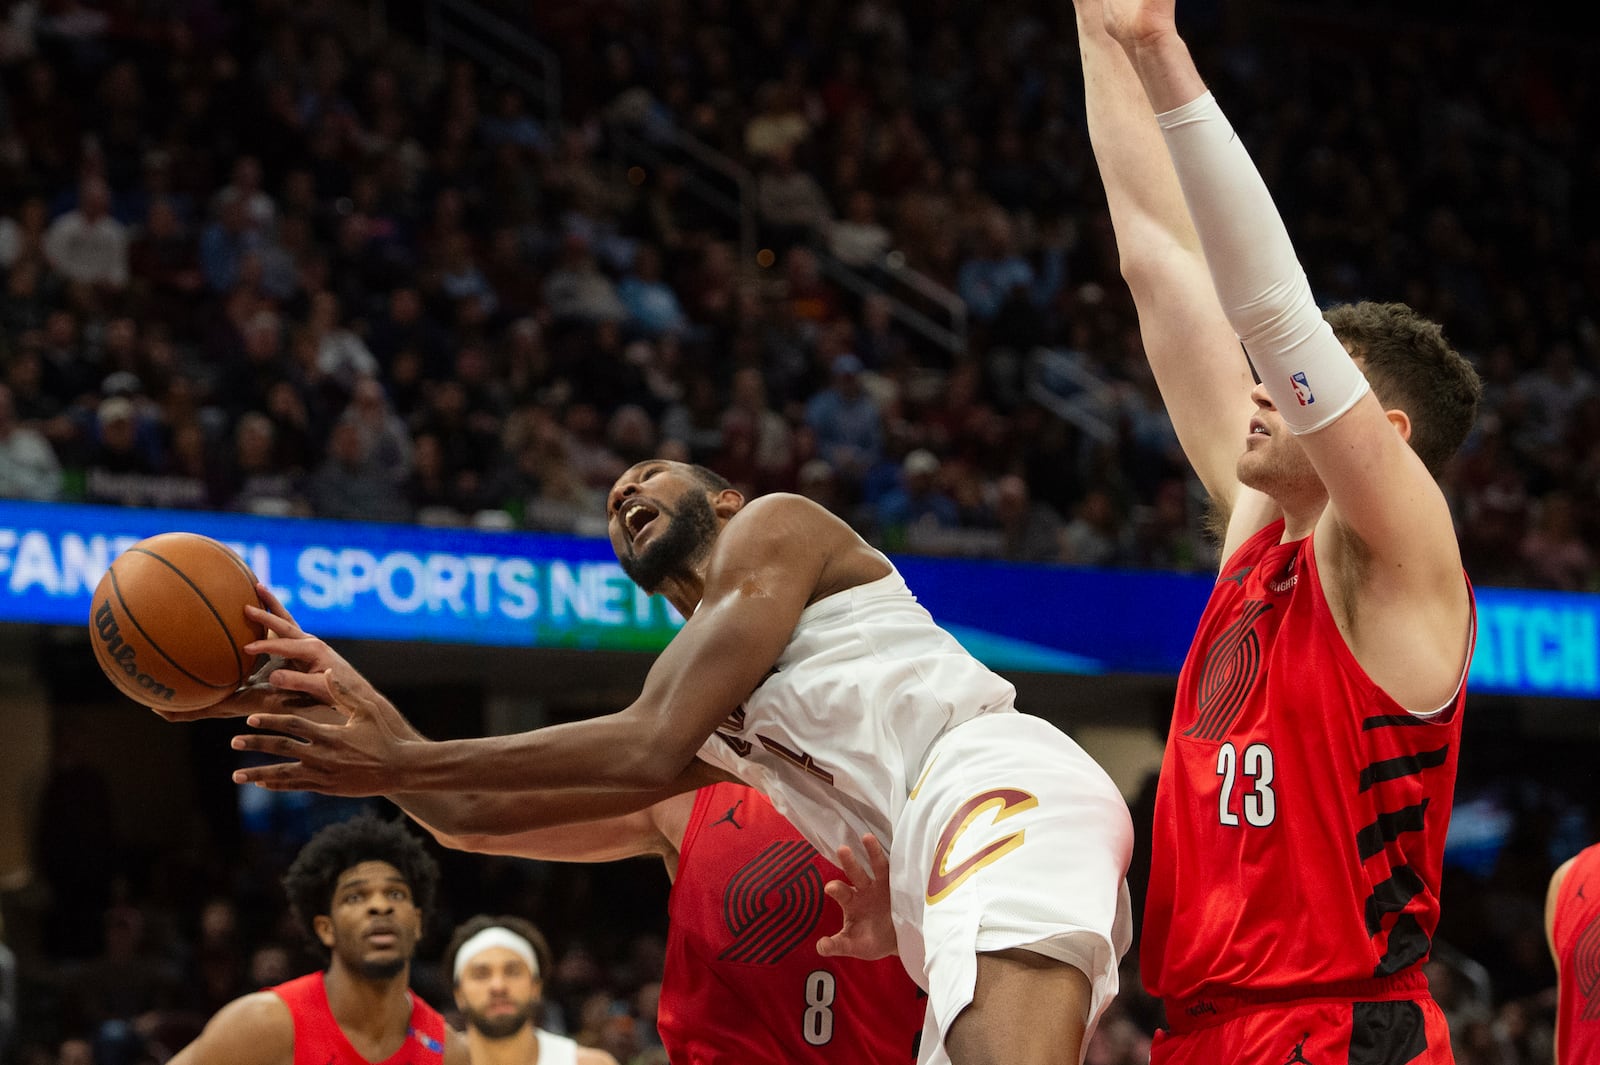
[1302, 389]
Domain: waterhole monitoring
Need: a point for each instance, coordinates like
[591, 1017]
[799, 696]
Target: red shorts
[1402, 1027]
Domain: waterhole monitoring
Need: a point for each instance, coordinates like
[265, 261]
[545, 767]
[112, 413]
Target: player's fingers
[877, 857]
[351, 696]
[288, 724]
[840, 892]
[293, 648]
[279, 611]
[833, 946]
[853, 869]
[275, 746]
[281, 776]
[312, 684]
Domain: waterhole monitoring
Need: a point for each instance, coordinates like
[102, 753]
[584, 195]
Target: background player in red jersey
[361, 888]
[744, 981]
[1305, 791]
[496, 965]
[1572, 925]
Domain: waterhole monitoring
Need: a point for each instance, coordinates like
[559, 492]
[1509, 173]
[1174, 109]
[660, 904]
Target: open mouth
[635, 516]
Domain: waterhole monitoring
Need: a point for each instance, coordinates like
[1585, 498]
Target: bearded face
[689, 529]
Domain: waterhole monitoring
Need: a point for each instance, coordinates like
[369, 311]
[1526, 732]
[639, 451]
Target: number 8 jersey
[1301, 812]
[744, 982]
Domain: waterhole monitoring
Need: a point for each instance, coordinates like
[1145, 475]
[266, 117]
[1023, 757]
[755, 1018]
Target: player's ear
[1401, 421]
[729, 502]
[322, 924]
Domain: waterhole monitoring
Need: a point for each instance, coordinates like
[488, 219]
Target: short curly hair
[1411, 365]
[315, 872]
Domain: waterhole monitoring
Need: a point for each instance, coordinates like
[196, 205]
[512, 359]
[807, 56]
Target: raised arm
[762, 573]
[1193, 352]
[1386, 534]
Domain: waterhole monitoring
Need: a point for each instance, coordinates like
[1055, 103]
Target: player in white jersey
[807, 669]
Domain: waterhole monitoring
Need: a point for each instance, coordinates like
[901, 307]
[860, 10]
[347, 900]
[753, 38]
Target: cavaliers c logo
[1005, 802]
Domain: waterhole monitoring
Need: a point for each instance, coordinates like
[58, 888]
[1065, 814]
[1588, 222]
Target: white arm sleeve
[1311, 378]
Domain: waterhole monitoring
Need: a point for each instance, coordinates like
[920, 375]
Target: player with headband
[497, 967]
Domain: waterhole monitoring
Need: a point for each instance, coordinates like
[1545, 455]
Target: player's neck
[1301, 512]
[366, 1009]
[519, 1049]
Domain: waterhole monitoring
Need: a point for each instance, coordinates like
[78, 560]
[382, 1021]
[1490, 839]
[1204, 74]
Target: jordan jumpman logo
[728, 817]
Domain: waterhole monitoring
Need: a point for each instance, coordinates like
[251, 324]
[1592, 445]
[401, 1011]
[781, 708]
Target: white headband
[496, 936]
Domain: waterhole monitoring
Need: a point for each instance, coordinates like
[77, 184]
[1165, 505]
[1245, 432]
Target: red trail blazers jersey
[1575, 935]
[318, 1039]
[744, 982]
[1301, 812]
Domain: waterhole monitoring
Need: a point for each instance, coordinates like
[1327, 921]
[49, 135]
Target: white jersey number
[817, 1024]
[1260, 803]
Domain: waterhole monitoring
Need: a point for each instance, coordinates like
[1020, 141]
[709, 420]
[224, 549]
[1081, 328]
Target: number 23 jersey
[1301, 812]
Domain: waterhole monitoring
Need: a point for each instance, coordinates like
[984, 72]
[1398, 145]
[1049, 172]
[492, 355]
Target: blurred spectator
[8, 994]
[995, 272]
[23, 238]
[790, 201]
[859, 239]
[28, 465]
[1030, 531]
[576, 290]
[1553, 552]
[86, 245]
[351, 486]
[127, 980]
[245, 189]
[780, 125]
[652, 306]
[165, 265]
[225, 243]
[847, 422]
[1094, 536]
[917, 503]
[263, 485]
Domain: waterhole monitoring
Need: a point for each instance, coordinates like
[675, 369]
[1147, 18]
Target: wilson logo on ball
[120, 653]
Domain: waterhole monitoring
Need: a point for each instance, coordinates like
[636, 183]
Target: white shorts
[1014, 837]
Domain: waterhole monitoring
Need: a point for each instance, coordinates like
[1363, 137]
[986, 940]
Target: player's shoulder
[594, 1056]
[261, 1011]
[786, 506]
[783, 524]
[255, 1029]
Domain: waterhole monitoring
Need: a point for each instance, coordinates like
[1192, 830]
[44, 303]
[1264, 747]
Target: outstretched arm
[571, 825]
[1387, 531]
[1192, 349]
[762, 573]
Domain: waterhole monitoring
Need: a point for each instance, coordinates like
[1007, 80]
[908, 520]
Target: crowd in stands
[254, 261]
[263, 258]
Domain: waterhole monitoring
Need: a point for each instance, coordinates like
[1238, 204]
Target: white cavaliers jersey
[837, 734]
[556, 1049]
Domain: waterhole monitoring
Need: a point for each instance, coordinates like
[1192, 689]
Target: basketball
[168, 625]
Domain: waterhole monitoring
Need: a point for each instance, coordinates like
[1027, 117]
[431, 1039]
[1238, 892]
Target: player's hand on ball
[361, 755]
[868, 931]
[257, 695]
[305, 662]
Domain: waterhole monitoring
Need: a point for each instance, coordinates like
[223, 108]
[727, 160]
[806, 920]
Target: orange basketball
[168, 624]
